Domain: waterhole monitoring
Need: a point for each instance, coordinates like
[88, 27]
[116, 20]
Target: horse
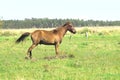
[51, 37]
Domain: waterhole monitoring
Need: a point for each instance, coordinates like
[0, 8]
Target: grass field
[94, 58]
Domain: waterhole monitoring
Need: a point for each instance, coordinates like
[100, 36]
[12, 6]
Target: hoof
[26, 58]
[57, 56]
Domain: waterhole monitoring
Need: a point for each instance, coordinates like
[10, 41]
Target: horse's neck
[62, 31]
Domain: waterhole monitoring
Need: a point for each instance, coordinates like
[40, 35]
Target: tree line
[49, 23]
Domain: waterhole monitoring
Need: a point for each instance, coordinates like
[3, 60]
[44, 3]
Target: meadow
[96, 57]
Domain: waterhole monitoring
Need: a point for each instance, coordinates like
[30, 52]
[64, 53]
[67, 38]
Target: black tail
[22, 37]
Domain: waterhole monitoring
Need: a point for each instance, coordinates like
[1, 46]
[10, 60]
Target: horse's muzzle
[74, 31]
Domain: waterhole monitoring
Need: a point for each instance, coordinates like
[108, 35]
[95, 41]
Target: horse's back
[39, 35]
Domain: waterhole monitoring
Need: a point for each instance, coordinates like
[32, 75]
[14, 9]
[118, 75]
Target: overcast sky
[76, 9]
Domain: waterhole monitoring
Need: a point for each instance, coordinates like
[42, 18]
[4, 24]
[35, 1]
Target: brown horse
[53, 37]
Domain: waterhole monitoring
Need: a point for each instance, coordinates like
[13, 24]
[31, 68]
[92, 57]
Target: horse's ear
[67, 23]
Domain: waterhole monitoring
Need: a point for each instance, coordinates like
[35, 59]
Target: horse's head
[70, 27]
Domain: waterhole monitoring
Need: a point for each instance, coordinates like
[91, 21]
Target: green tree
[1, 24]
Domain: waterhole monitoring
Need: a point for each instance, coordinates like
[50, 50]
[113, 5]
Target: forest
[49, 23]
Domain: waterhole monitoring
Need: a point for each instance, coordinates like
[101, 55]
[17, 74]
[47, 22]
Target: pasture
[96, 57]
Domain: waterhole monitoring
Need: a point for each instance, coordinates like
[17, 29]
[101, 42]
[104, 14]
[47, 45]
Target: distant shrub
[103, 33]
[100, 33]
[84, 30]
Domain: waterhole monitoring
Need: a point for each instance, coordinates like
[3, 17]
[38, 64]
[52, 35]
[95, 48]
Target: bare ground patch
[59, 57]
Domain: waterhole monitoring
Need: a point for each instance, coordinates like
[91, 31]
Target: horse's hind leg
[29, 52]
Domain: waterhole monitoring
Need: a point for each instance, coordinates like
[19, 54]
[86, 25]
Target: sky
[60, 9]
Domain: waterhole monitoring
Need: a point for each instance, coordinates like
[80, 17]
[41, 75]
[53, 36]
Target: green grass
[96, 58]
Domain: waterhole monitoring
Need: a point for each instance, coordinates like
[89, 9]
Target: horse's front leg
[56, 49]
[29, 52]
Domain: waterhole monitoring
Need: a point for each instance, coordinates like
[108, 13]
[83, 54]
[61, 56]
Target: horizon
[57, 19]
